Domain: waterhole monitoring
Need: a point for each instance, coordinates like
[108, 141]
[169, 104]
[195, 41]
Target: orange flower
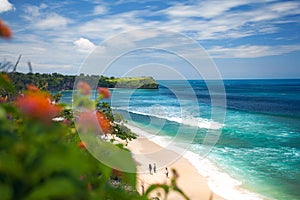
[37, 105]
[32, 88]
[103, 122]
[6, 78]
[81, 145]
[4, 30]
[91, 121]
[104, 92]
[84, 88]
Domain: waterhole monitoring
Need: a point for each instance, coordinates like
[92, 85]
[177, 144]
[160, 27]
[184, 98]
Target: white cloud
[287, 7]
[84, 45]
[218, 20]
[106, 27]
[43, 56]
[100, 10]
[43, 19]
[52, 21]
[207, 8]
[274, 11]
[5, 6]
[251, 51]
[32, 12]
[205, 20]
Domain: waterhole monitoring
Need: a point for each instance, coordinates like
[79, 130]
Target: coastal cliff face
[135, 82]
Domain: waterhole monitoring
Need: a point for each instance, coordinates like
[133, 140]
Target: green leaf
[112, 156]
[5, 192]
[10, 166]
[156, 186]
[53, 189]
[65, 159]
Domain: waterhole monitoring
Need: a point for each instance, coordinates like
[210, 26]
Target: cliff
[134, 82]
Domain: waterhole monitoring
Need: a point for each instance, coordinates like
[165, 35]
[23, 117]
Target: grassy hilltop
[134, 82]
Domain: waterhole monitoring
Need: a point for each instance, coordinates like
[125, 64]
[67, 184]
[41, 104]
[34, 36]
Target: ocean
[257, 155]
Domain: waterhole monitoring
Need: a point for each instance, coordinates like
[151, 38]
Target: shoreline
[205, 174]
[146, 152]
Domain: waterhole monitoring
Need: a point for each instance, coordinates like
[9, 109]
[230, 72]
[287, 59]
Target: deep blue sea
[258, 152]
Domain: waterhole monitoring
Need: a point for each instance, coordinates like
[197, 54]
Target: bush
[42, 159]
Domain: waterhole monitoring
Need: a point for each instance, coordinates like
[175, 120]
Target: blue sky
[245, 38]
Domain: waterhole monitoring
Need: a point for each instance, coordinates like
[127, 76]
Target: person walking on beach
[150, 168]
[143, 188]
[154, 168]
[167, 172]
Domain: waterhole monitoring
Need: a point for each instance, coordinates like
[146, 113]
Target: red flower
[37, 105]
[91, 121]
[81, 145]
[4, 30]
[104, 92]
[84, 88]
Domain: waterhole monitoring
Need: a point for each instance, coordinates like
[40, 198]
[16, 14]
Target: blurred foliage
[43, 158]
[43, 161]
[168, 188]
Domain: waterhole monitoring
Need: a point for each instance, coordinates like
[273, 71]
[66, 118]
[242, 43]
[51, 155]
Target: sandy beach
[146, 152]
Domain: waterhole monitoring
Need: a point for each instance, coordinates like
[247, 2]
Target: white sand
[146, 152]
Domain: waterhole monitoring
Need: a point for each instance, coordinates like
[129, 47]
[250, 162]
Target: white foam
[219, 182]
[186, 120]
[160, 140]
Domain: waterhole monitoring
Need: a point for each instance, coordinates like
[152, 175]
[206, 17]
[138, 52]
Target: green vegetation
[59, 82]
[135, 82]
[45, 159]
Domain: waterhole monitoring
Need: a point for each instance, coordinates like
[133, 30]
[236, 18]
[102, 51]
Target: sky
[243, 38]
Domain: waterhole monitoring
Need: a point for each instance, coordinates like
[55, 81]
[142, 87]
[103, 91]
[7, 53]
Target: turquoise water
[259, 145]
